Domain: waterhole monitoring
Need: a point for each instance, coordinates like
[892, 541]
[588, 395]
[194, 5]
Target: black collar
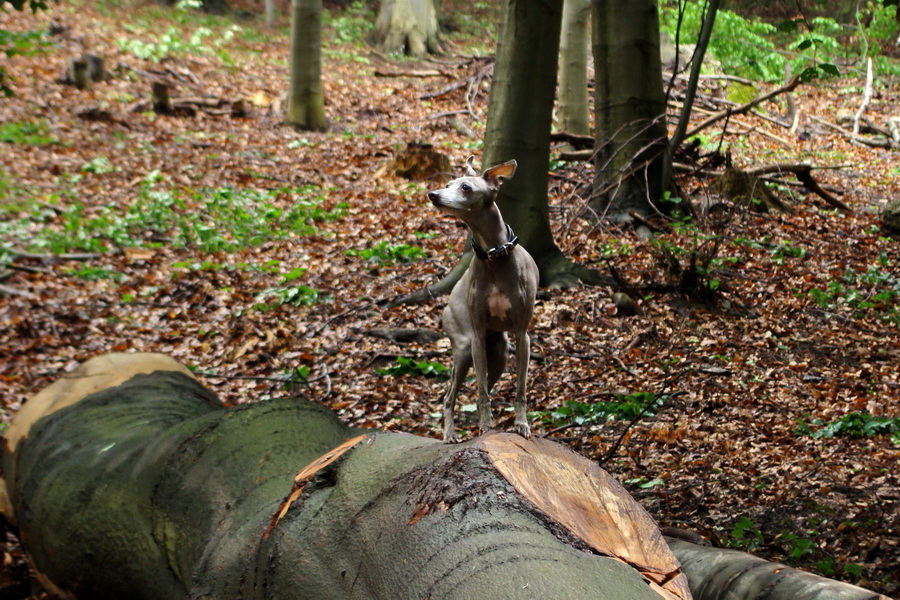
[501, 250]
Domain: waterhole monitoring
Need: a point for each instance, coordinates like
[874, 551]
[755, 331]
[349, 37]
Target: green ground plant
[30, 133]
[415, 368]
[871, 292]
[212, 220]
[177, 40]
[624, 407]
[386, 253]
[297, 295]
[853, 425]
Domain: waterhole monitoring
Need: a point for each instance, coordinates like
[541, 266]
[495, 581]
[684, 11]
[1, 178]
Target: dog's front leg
[523, 355]
[450, 436]
[479, 358]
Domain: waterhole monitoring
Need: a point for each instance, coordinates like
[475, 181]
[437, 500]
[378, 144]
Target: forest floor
[263, 257]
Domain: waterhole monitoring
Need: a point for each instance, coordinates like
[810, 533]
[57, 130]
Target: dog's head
[472, 192]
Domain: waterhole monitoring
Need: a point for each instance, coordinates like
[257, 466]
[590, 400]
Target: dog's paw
[522, 429]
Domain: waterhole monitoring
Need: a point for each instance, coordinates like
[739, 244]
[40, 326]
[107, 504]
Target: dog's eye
[466, 187]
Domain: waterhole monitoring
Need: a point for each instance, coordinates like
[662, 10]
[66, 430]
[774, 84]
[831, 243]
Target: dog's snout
[434, 197]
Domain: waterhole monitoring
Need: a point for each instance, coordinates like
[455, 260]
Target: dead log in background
[128, 479]
[717, 574]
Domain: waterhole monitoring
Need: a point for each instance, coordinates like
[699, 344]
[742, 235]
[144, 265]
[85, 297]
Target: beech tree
[573, 114]
[126, 478]
[407, 26]
[519, 119]
[629, 108]
[306, 102]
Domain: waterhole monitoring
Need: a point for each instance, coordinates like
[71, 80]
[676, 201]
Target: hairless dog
[494, 296]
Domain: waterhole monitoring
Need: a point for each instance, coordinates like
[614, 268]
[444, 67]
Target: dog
[494, 297]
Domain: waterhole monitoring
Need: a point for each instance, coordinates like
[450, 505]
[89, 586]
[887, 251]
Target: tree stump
[421, 162]
[747, 190]
[890, 217]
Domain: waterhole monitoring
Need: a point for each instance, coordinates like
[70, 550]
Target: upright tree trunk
[518, 127]
[629, 108]
[407, 26]
[306, 102]
[573, 114]
[270, 13]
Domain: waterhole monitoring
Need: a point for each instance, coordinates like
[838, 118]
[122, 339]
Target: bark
[128, 479]
[270, 13]
[574, 111]
[408, 27]
[306, 102]
[717, 574]
[518, 127]
[629, 109]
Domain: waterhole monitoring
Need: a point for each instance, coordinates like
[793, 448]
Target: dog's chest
[498, 304]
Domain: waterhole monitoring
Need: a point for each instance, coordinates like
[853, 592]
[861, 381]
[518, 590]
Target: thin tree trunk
[574, 110]
[306, 102]
[270, 13]
[684, 118]
[629, 107]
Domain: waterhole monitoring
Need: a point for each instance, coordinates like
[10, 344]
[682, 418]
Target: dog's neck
[489, 230]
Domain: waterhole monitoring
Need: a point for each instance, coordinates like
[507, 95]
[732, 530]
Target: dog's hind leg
[497, 345]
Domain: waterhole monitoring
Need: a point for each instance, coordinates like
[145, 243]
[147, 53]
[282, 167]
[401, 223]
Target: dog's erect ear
[470, 170]
[498, 173]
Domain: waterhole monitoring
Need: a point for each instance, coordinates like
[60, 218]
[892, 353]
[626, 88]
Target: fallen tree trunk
[717, 574]
[128, 479]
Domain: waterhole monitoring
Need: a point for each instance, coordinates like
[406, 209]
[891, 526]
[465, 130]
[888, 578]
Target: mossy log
[719, 574]
[128, 479]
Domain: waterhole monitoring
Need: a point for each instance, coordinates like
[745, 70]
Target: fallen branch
[577, 155]
[8, 290]
[399, 335]
[717, 574]
[874, 143]
[459, 84]
[577, 140]
[79, 256]
[790, 86]
[803, 173]
[421, 73]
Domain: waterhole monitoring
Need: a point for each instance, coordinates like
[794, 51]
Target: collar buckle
[501, 250]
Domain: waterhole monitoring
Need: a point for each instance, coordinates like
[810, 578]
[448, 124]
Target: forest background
[757, 406]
